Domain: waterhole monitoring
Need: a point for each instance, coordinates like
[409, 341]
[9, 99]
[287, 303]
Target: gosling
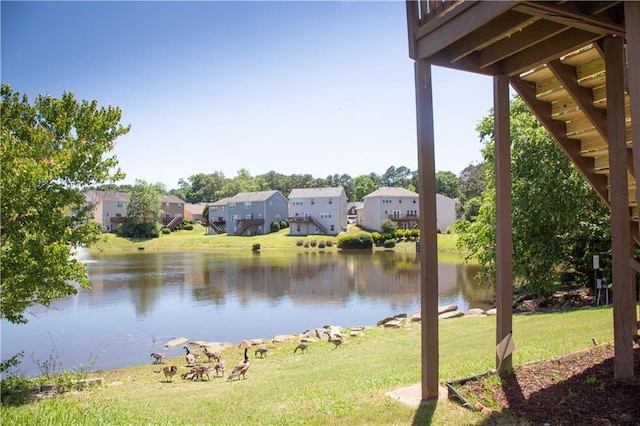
[169, 372]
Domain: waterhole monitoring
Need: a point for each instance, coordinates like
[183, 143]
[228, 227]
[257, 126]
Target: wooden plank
[428, 230]
[504, 239]
[623, 296]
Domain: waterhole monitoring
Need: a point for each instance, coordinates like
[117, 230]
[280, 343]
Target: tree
[447, 184]
[558, 220]
[50, 149]
[472, 181]
[363, 186]
[143, 212]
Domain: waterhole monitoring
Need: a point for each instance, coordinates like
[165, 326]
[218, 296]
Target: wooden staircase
[312, 220]
[568, 96]
[245, 224]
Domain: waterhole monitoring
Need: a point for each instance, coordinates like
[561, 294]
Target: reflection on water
[138, 301]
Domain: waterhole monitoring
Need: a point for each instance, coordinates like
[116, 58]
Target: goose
[219, 368]
[201, 371]
[302, 346]
[169, 372]
[158, 356]
[210, 354]
[261, 351]
[241, 368]
[337, 341]
[190, 356]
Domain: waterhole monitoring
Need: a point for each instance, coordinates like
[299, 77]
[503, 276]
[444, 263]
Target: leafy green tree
[50, 149]
[143, 212]
[388, 226]
[472, 182]
[447, 184]
[558, 220]
[363, 187]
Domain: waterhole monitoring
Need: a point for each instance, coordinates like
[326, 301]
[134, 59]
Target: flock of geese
[199, 370]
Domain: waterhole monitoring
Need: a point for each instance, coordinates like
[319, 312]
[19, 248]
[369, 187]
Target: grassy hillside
[345, 386]
[197, 239]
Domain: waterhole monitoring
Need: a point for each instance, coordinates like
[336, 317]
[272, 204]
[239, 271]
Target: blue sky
[295, 87]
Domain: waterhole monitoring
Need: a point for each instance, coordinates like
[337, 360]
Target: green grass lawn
[343, 386]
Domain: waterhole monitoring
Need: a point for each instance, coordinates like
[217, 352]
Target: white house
[109, 208]
[321, 211]
[401, 206]
[397, 204]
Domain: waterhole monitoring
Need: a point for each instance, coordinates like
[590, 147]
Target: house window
[247, 206]
[332, 228]
[414, 201]
[313, 201]
[399, 200]
[214, 209]
[296, 202]
[167, 205]
[120, 204]
[232, 206]
[330, 200]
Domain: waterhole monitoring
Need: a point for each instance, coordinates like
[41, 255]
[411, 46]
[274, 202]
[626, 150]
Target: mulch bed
[577, 389]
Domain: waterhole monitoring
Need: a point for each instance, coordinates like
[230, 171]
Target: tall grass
[345, 386]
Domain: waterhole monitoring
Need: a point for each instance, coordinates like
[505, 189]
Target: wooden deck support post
[632, 17]
[504, 239]
[428, 229]
[622, 280]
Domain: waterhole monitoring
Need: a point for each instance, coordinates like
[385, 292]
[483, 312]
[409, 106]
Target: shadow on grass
[424, 413]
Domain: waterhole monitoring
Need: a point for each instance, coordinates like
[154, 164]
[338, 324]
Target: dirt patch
[577, 389]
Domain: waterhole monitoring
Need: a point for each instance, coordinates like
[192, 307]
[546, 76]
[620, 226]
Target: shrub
[390, 243]
[314, 243]
[165, 231]
[321, 244]
[376, 236]
[357, 241]
[401, 234]
[329, 243]
[388, 226]
[188, 227]
[300, 242]
[306, 244]
[255, 247]
[275, 226]
[284, 224]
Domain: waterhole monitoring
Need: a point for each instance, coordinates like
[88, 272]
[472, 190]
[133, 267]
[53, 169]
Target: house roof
[95, 196]
[245, 197]
[196, 208]
[316, 192]
[220, 202]
[387, 191]
[171, 199]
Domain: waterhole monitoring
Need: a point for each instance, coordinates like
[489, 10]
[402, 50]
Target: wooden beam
[412, 26]
[624, 293]
[570, 15]
[548, 50]
[433, 40]
[504, 239]
[428, 229]
[528, 37]
[496, 29]
[632, 82]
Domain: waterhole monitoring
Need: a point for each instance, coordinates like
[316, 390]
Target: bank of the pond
[197, 239]
[323, 385]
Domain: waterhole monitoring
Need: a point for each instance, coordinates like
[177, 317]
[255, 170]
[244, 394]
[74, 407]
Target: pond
[139, 301]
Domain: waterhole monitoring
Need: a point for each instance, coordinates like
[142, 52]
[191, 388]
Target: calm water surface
[139, 301]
